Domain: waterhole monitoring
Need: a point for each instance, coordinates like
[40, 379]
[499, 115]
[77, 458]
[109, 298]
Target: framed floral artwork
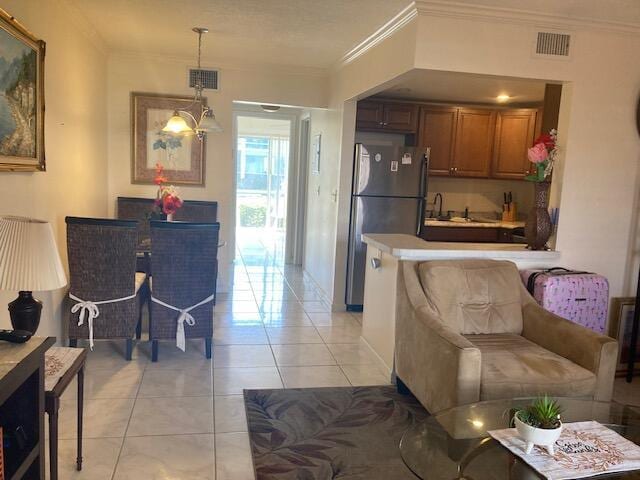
[182, 157]
[21, 98]
[620, 326]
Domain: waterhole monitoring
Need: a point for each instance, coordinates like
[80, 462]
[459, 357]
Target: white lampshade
[29, 259]
[209, 124]
[178, 125]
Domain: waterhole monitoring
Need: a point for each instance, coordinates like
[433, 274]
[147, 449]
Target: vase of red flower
[538, 226]
[168, 197]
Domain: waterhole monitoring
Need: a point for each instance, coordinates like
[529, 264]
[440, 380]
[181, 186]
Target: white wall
[75, 140]
[600, 149]
[320, 228]
[136, 73]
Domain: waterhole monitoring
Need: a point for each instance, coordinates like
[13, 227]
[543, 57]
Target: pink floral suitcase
[581, 297]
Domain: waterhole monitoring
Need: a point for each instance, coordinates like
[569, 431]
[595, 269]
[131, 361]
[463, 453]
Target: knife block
[509, 212]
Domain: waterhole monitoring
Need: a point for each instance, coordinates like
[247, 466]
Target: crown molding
[400, 20]
[84, 25]
[224, 64]
[445, 8]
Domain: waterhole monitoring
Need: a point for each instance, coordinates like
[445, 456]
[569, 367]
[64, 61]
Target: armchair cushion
[513, 366]
[474, 296]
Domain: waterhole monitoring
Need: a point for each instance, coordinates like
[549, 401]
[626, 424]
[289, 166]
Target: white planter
[537, 436]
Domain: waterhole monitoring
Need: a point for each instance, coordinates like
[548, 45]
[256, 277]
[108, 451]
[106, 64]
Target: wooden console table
[22, 407]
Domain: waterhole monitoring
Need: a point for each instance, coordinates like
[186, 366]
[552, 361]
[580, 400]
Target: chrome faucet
[434, 204]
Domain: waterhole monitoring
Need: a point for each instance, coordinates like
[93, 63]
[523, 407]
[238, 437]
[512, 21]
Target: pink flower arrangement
[538, 153]
[168, 198]
[543, 154]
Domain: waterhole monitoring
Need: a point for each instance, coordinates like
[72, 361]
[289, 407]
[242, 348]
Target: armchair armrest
[592, 351]
[440, 367]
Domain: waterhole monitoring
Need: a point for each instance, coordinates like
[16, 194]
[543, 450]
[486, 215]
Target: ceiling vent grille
[208, 79]
[556, 44]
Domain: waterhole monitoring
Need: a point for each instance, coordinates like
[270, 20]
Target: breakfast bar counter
[409, 247]
[383, 277]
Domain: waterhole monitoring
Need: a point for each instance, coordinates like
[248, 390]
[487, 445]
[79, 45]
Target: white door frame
[300, 207]
[292, 225]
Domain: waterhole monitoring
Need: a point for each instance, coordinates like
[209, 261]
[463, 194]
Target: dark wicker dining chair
[102, 268]
[197, 211]
[184, 266]
[138, 209]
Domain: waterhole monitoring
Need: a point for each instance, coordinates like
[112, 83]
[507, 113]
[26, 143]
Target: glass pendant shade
[178, 125]
[209, 124]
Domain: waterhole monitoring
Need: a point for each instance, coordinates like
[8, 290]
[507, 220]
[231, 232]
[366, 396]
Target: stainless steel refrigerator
[388, 193]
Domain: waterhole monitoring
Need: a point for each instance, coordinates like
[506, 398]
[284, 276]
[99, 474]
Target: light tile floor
[183, 417]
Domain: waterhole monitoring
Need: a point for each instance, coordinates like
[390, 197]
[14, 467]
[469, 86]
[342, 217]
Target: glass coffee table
[454, 444]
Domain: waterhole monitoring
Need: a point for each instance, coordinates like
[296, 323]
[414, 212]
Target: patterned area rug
[329, 433]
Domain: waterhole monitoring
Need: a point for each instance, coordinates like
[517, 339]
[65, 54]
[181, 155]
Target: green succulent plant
[544, 412]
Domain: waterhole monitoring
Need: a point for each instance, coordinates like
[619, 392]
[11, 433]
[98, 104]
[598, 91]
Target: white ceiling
[314, 33]
[463, 87]
[249, 125]
[622, 11]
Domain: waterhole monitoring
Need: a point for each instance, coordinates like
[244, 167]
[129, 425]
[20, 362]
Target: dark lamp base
[25, 312]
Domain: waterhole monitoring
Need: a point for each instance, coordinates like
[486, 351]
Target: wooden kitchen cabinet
[437, 132]
[467, 234]
[369, 116]
[387, 117]
[461, 234]
[478, 142]
[473, 142]
[515, 132]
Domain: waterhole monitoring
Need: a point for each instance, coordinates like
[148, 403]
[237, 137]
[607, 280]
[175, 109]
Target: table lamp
[29, 261]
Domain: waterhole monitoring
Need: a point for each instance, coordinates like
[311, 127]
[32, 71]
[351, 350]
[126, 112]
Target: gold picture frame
[183, 157]
[620, 323]
[22, 98]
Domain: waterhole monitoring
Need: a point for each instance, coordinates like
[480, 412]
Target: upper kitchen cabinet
[473, 142]
[515, 132]
[437, 132]
[369, 116]
[387, 117]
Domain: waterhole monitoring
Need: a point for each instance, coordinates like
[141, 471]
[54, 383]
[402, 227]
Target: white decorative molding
[392, 26]
[445, 8]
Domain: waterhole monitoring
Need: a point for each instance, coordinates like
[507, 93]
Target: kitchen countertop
[480, 223]
[409, 247]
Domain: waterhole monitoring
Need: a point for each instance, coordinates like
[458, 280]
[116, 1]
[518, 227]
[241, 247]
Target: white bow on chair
[91, 310]
[184, 316]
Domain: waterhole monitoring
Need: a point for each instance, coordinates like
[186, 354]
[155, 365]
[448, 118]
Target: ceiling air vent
[208, 79]
[556, 44]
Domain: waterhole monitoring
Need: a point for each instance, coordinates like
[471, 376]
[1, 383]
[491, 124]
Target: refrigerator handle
[420, 217]
[423, 190]
[424, 169]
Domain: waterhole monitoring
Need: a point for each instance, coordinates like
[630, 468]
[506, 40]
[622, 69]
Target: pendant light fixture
[207, 123]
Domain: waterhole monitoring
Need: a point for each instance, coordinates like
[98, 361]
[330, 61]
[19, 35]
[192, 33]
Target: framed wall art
[620, 326]
[21, 97]
[183, 157]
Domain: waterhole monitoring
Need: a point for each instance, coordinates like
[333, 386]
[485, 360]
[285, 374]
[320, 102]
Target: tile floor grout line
[115, 468]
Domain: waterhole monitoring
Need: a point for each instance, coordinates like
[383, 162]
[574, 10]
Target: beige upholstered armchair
[467, 330]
